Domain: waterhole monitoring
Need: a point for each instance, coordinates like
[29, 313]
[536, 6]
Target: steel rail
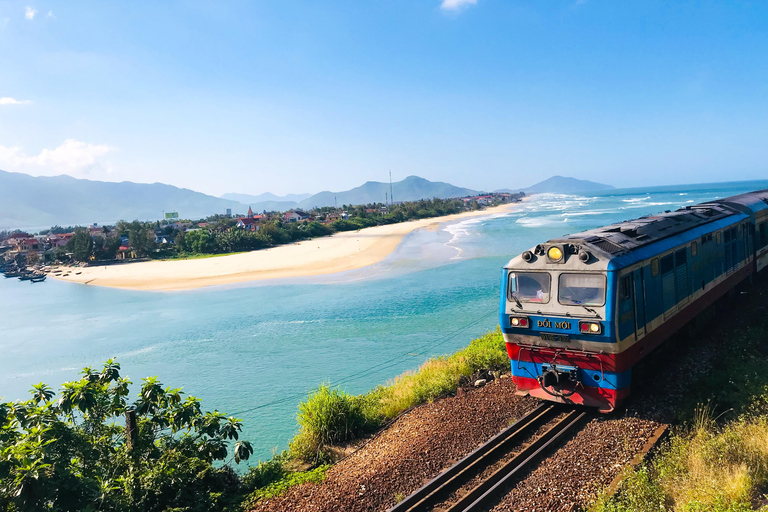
[462, 471]
[478, 498]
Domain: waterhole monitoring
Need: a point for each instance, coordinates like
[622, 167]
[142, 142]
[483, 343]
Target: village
[217, 234]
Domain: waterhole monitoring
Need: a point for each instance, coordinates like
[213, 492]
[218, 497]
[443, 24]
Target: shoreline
[340, 252]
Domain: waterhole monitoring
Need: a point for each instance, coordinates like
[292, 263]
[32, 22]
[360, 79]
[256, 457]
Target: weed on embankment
[331, 416]
[717, 460]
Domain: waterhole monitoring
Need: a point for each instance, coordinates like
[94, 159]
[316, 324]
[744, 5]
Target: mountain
[561, 185]
[36, 202]
[29, 202]
[265, 197]
[411, 188]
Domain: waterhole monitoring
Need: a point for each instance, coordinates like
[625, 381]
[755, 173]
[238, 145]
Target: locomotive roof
[632, 234]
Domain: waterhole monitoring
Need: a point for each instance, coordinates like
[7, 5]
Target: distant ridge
[411, 188]
[561, 185]
[31, 202]
[35, 202]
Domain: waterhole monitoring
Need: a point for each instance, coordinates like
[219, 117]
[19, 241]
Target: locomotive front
[556, 318]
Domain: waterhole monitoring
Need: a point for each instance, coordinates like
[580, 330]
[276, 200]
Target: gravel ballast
[414, 449]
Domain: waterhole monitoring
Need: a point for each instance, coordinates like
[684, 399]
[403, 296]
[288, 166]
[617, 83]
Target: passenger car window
[581, 289]
[530, 286]
[654, 267]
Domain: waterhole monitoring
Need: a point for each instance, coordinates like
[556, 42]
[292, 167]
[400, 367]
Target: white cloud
[51, 15]
[73, 157]
[13, 101]
[453, 5]
[30, 13]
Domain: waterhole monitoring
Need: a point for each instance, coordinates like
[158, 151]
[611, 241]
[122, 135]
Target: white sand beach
[326, 255]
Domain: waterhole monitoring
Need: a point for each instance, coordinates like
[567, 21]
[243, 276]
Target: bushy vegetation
[331, 416]
[717, 461]
[704, 468]
[82, 452]
[76, 453]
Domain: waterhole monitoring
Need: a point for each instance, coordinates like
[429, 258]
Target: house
[60, 240]
[249, 223]
[124, 252]
[26, 245]
[296, 216]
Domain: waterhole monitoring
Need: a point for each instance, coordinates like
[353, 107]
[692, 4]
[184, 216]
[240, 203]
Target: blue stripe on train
[608, 380]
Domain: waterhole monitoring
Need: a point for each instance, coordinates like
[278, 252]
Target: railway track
[557, 422]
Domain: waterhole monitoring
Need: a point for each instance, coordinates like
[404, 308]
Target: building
[249, 223]
[296, 216]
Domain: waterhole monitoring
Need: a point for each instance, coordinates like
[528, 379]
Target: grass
[288, 480]
[705, 467]
[717, 460]
[330, 416]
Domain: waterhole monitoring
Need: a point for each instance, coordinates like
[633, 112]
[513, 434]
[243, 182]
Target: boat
[37, 279]
[26, 276]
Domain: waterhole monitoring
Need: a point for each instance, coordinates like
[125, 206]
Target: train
[578, 313]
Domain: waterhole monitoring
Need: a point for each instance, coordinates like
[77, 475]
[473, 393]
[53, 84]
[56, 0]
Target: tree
[140, 238]
[74, 454]
[32, 258]
[80, 245]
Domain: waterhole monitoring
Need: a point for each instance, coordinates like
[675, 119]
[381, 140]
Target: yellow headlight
[555, 254]
[515, 321]
[594, 327]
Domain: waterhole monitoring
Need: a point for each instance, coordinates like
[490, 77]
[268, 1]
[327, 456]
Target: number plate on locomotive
[554, 337]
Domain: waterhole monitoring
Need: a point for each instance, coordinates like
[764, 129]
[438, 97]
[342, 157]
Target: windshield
[582, 289]
[529, 286]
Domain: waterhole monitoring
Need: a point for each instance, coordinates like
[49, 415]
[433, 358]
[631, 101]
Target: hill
[411, 188]
[30, 202]
[562, 185]
[35, 202]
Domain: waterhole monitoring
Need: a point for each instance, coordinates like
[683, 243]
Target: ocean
[254, 350]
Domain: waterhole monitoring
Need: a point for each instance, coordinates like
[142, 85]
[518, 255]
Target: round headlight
[594, 327]
[555, 254]
[515, 321]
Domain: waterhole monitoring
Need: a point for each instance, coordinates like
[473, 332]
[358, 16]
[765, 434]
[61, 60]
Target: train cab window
[581, 289]
[719, 237]
[625, 287]
[694, 248]
[529, 286]
[654, 267]
[763, 234]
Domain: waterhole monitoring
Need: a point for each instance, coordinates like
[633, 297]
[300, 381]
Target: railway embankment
[719, 366]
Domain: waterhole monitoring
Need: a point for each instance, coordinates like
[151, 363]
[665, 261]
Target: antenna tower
[391, 198]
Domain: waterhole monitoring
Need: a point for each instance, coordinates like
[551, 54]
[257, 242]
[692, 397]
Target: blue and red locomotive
[579, 312]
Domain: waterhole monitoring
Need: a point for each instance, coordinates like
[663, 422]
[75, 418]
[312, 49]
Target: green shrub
[331, 417]
[288, 480]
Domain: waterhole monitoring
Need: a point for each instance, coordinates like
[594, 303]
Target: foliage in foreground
[331, 416]
[711, 466]
[75, 454]
[707, 468]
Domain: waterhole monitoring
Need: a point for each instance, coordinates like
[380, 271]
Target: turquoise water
[255, 350]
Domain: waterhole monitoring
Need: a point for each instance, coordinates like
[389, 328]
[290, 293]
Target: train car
[579, 312]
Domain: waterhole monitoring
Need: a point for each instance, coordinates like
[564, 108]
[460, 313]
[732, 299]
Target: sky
[303, 96]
